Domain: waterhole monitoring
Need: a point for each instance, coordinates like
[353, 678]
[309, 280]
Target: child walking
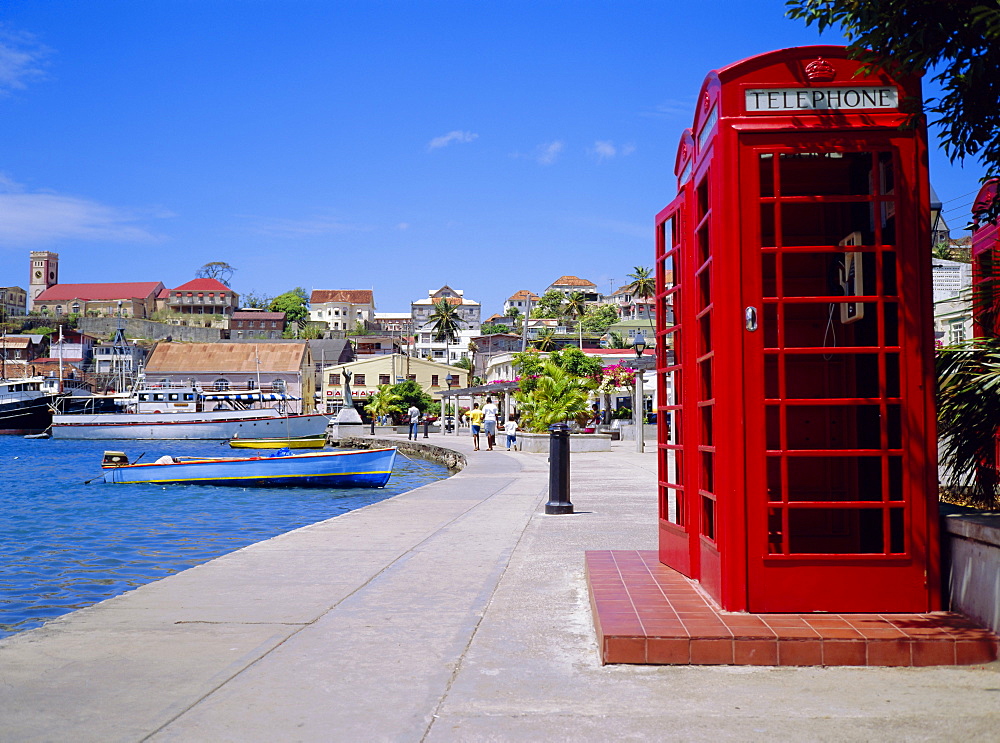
[510, 428]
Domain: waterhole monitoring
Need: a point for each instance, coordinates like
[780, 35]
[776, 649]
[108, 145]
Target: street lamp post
[450, 380]
[638, 411]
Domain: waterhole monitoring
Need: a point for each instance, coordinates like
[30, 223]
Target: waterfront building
[283, 367]
[26, 347]
[371, 373]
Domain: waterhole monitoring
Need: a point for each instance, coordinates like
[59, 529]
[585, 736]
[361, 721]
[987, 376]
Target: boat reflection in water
[339, 469]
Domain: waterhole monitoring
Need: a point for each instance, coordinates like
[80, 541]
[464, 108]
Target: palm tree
[968, 394]
[617, 340]
[576, 306]
[643, 285]
[445, 323]
[558, 396]
[546, 340]
[384, 402]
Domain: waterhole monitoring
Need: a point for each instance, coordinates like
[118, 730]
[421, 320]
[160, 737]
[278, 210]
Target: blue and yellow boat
[369, 468]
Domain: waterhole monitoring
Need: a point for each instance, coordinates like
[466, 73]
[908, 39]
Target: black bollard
[426, 424]
[559, 470]
[373, 424]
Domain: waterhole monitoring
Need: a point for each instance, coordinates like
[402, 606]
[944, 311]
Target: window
[334, 379]
[359, 379]
[383, 379]
[278, 385]
[221, 385]
[411, 377]
[58, 309]
[251, 384]
[434, 380]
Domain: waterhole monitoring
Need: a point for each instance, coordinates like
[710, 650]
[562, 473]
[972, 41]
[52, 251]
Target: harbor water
[65, 544]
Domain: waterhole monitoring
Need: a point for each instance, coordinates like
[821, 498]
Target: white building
[523, 301]
[468, 316]
[950, 278]
[342, 309]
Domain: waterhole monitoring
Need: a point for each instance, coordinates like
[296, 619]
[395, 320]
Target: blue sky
[388, 145]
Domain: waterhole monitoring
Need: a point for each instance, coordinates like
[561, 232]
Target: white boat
[170, 411]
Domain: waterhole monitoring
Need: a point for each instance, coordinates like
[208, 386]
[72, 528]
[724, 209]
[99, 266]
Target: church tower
[44, 273]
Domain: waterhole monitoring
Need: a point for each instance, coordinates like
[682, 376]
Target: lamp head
[639, 343]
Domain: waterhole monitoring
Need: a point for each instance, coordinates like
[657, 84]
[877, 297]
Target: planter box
[538, 443]
[973, 572]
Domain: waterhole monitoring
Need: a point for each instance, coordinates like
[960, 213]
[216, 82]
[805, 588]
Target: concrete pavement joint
[505, 562]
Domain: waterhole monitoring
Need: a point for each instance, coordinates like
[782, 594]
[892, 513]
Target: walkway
[456, 612]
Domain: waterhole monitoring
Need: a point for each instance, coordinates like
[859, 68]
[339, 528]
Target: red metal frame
[796, 441]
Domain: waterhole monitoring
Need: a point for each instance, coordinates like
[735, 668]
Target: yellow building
[369, 374]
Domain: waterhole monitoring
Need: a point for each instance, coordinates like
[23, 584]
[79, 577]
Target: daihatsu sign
[822, 99]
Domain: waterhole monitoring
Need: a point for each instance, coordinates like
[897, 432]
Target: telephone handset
[851, 280]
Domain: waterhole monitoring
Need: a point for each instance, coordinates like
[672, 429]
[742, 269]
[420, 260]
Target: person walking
[414, 415]
[476, 419]
[510, 428]
[490, 415]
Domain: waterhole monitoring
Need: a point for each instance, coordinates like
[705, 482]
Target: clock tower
[44, 273]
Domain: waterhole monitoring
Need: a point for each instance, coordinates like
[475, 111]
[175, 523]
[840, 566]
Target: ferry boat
[174, 411]
[26, 404]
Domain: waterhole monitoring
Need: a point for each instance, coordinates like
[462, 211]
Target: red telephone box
[797, 465]
[985, 265]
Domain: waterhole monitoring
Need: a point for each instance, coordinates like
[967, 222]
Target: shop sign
[864, 97]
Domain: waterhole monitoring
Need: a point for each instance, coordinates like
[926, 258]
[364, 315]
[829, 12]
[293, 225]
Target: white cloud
[447, 139]
[28, 218]
[295, 228]
[20, 59]
[547, 153]
[605, 149]
[403, 226]
[673, 108]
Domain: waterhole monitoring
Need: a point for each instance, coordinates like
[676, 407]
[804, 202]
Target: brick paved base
[645, 612]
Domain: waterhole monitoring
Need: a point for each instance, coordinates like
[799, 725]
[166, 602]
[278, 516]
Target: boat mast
[60, 358]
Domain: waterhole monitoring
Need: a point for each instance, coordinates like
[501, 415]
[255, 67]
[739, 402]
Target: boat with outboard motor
[367, 468]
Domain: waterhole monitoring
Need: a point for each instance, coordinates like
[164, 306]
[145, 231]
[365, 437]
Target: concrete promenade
[456, 612]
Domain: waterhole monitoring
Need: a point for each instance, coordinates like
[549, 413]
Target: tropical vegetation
[445, 323]
[558, 395]
[968, 396]
[959, 42]
[385, 402]
[293, 303]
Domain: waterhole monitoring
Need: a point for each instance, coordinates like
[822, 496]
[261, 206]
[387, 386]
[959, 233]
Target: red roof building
[131, 299]
[200, 297]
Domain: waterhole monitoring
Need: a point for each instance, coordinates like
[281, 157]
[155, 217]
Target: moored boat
[168, 411]
[369, 468]
[26, 404]
[301, 442]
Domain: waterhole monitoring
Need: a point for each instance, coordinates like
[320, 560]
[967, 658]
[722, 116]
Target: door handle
[750, 314]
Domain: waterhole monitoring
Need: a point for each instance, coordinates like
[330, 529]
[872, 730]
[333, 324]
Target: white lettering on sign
[821, 99]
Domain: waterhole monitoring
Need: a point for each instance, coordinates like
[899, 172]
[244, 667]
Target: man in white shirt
[414, 414]
[490, 415]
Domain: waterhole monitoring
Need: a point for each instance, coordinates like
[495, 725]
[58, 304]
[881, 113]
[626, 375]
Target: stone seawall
[450, 458]
[104, 327]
